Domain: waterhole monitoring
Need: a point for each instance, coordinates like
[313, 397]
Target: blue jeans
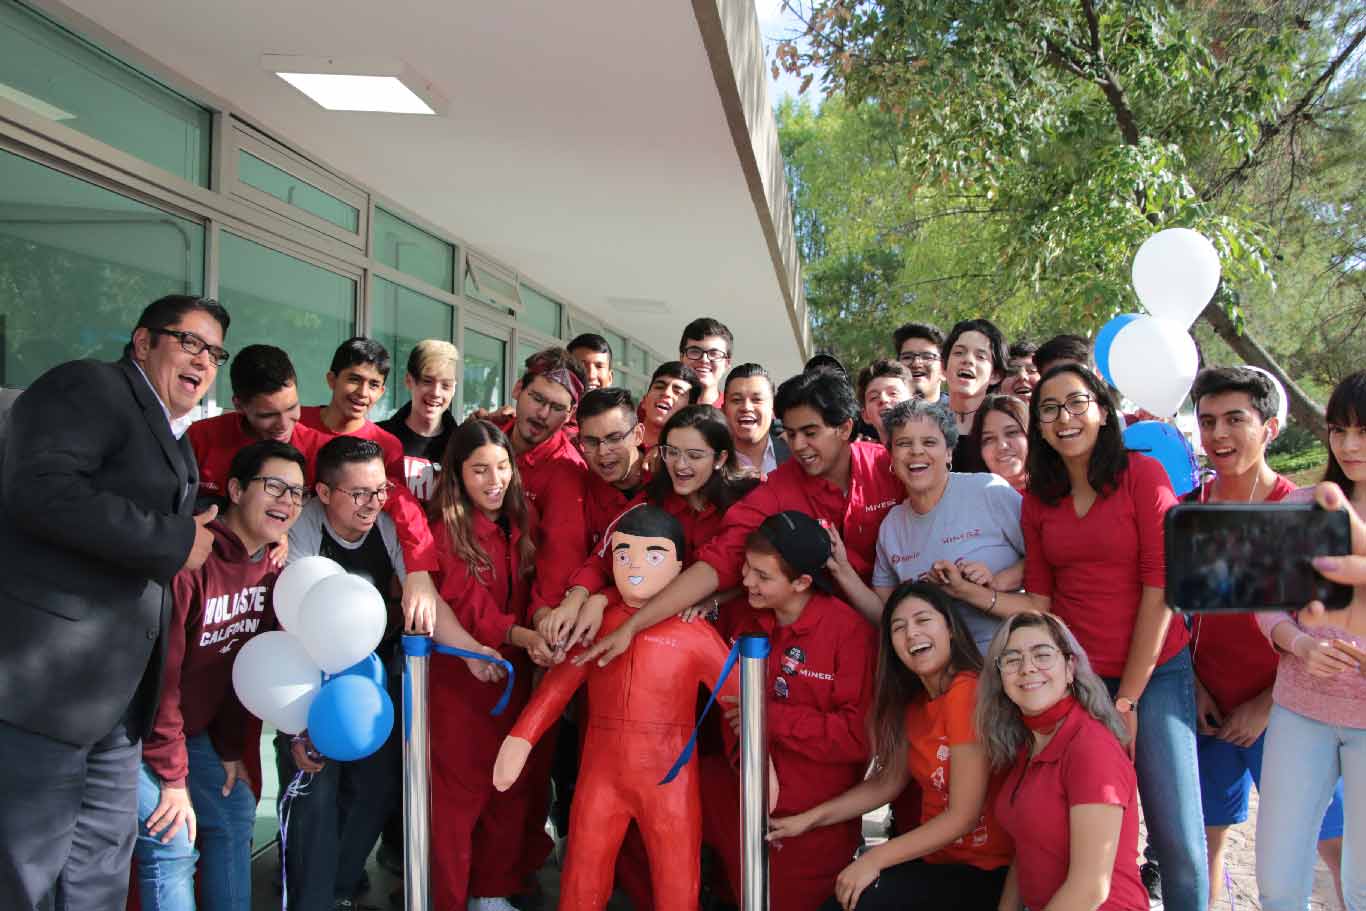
[166, 871]
[1169, 782]
[1300, 765]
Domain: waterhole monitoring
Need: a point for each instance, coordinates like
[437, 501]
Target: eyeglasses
[925, 357]
[555, 407]
[611, 441]
[277, 488]
[694, 353]
[193, 344]
[363, 496]
[673, 453]
[1042, 657]
[1075, 404]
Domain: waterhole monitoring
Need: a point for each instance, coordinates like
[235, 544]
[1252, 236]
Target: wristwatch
[1124, 705]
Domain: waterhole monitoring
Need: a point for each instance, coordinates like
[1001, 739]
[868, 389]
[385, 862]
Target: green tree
[1024, 152]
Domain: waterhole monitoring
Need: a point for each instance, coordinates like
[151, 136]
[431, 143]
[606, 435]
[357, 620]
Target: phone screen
[1230, 557]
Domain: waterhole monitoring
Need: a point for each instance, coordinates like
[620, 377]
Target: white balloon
[1153, 362]
[276, 680]
[1282, 409]
[342, 621]
[293, 585]
[1176, 272]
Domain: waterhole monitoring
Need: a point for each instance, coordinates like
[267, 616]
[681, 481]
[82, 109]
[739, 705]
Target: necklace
[1204, 490]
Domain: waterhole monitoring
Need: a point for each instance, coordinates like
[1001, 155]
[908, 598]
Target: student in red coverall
[640, 715]
[820, 689]
[482, 524]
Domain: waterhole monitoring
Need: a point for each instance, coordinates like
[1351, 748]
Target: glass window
[637, 358]
[413, 251]
[276, 299]
[284, 186]
[399, 319]
[578, 326]
[618, 345]
[525, 349]
[78, 263]
[490, 285]
[483, 379]
[540, 312]
[56, 75]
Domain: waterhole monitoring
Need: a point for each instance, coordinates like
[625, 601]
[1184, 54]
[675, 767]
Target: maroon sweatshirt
[216, 610]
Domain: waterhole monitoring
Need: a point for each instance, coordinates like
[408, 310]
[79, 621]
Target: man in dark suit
[97, 488]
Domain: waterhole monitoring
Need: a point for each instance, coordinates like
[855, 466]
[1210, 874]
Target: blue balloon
[351, 717]
[1105, 338]
[369, 667]
[1162, 441]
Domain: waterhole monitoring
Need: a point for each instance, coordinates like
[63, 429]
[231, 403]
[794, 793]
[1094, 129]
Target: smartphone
[1252, 557]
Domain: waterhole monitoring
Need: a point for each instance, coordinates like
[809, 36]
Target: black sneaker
[1152, 880]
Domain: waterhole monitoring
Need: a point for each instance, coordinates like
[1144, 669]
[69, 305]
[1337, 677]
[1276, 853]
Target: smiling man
[673, 385]
[610, 435]
[881, 385]
[848, 485]
[424, 424]
[706, 347]
[594, 355]
[975, 360]
[918, 346]
[97, 488]
[748, 407]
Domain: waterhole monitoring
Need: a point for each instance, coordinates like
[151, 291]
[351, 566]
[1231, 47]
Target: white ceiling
[585, 145]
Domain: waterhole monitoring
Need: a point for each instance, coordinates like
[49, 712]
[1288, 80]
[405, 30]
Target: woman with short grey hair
[958, 531]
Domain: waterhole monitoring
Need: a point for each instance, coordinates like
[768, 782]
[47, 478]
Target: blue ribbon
[420, 646]
[750, 647]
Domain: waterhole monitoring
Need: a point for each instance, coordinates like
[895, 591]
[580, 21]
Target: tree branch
[1271, 129]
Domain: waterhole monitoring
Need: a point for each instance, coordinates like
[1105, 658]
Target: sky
[776, 22]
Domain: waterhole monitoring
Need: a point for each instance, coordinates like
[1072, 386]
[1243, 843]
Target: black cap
[800, 540]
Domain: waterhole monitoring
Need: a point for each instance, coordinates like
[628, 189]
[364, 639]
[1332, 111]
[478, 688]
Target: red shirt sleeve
[595, 574]
[419, 550]
[164, 748]
[1038, 575]
[1153, 496]
[841, 735]
[471, 602]
[1097, 771]
[725, 553]
[562, 543]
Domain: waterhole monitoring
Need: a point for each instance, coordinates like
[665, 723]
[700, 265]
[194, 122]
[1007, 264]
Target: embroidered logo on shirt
[792, 659]
[877, 507]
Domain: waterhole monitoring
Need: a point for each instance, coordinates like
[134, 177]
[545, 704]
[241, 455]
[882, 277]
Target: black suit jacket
[96, 500]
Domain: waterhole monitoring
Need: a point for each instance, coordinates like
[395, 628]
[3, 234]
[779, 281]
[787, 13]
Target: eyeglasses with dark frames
[278, 487]
[1075, 404]
[694, 353]
[925, 357]
[364, 496]
[193, 344]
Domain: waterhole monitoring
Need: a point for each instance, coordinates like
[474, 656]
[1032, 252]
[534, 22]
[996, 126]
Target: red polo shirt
[1233, 659]
[1094, 568]
[595, 573]
[410, 520]
[820, 688]
[873, 490]
[554, 477]
[1082, 764]
[216, 440]
[933, 728]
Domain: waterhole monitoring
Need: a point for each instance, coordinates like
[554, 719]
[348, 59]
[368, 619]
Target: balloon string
[684, 756]
[298, 787]
[479, 656]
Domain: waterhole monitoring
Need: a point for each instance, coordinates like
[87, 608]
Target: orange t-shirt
[933, 726]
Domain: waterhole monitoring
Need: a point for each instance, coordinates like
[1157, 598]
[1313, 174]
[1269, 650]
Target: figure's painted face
[642, 566]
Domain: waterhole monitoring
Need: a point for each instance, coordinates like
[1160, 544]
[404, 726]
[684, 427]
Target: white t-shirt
[977, 518]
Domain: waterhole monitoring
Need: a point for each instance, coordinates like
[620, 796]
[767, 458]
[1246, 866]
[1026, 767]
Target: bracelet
[992, 606]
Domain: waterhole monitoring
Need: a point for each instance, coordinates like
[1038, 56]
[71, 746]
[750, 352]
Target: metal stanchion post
[753, 773]
[417, 795]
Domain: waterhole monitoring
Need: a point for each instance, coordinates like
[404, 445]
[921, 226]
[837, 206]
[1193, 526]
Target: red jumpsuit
[482, 842]
[820, 689]
[641, 709]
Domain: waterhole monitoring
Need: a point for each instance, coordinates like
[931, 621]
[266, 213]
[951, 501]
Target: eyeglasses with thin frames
[364, 496]
[925, 357]
[555, 407]
[1043, 657]
[1075, 404]
[673, 453]
[193, 344]
[611, 441]
[278, 487]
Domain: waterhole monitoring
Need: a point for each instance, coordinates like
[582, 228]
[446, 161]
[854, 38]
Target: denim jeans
[166, 871]
[1300, 765]
[1169, 782]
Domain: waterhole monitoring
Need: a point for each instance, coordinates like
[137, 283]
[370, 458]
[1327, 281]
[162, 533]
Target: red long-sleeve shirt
[419, 553]
[603, 502]
[820, 689]
[1094, 568]
[554, 477]
[595, 573]
[215, 610]
[873, 490]
[216, 440]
